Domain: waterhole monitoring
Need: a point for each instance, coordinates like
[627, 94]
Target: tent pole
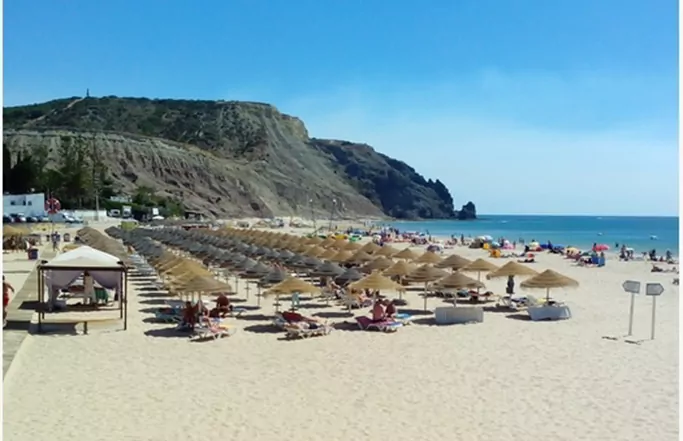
[40, 300]
[120, 293]
[125, 297]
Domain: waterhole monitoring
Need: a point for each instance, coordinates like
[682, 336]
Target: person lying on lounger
[295, 317]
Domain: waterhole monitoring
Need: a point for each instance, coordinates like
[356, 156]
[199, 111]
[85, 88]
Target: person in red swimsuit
[6, 288]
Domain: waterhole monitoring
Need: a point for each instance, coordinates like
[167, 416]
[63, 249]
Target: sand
[504, 379]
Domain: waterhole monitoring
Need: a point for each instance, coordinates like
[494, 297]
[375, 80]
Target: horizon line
[483, 216]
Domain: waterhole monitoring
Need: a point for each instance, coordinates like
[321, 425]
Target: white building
[26, 204]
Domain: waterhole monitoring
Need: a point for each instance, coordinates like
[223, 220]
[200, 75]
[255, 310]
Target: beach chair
[166, 316]
[279, 321]
[366, 324]
[403, 318]
[352, 302]
[293, 331]
[236, 312]
[210, 329]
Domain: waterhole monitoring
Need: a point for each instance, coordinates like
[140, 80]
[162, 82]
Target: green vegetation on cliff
[227, 158]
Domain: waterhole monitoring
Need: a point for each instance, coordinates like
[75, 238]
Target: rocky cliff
[229, 158]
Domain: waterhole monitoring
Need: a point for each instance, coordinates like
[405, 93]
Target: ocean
[640, 233]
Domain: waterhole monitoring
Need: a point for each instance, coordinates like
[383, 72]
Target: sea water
[639, 233]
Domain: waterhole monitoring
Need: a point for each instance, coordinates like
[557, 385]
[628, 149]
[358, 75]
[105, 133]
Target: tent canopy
[84, 257]
[64, 269]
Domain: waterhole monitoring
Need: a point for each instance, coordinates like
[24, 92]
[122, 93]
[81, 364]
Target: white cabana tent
[65, 269]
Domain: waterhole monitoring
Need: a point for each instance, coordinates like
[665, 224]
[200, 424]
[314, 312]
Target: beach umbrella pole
[424, 294]
[258, 295]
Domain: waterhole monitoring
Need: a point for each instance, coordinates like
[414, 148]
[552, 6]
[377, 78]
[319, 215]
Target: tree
[75, 179]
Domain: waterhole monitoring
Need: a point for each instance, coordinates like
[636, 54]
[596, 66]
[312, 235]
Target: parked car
[31, 219]
[18, 217]
[44, 219]
[72, 220]
[7, 219]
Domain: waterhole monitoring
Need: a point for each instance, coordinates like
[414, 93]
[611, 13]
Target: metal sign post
[633, 287]
[655, 290]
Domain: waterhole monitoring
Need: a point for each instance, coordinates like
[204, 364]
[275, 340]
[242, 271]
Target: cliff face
[229, 158]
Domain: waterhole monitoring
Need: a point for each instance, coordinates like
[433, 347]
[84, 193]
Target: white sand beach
[503, 379]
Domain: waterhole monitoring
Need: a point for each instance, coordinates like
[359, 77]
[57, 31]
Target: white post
[630, 315]
[654, 310]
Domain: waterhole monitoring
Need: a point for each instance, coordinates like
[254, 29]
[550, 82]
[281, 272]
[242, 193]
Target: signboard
[632, 286]
[52, 205]
[654, 289]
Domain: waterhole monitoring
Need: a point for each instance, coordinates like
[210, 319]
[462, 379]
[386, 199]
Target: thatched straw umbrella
[275, 276]
[314, 251]
[381, 263]
[479, 266]
[457, 280]
[386, 251]
[370, 247]
[352, 246]
[453, 262]
[359, 257]
[547, 280]
[341, 256]
[327, 269]
[314, 240]
[429, 257]
[291, 285]
[201, 285]
[258, 271]
[406, 254]
[328, 254]
[512, 269]
[350, 275]
[425, 274]
[376, 282]
[328, 242]
[400, 269]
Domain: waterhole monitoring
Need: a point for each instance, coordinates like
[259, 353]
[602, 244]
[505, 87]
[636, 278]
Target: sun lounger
[278, 321]
[167, 316]
[351, 302]
[512, 303]
[404, 319]
[210, 330]
[281, 322]
[236, 312]
[366, 324]
[297, 331]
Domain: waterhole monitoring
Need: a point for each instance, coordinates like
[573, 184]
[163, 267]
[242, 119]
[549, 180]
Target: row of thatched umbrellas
[297, 253]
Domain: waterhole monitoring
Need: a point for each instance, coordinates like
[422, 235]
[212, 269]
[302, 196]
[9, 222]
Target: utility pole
[310, 207]
[332, 210]
[96, 169]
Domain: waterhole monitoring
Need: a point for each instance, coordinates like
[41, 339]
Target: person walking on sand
[55, 242]
[6, 288]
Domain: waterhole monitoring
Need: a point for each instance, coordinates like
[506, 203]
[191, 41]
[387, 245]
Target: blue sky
[531, 106]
